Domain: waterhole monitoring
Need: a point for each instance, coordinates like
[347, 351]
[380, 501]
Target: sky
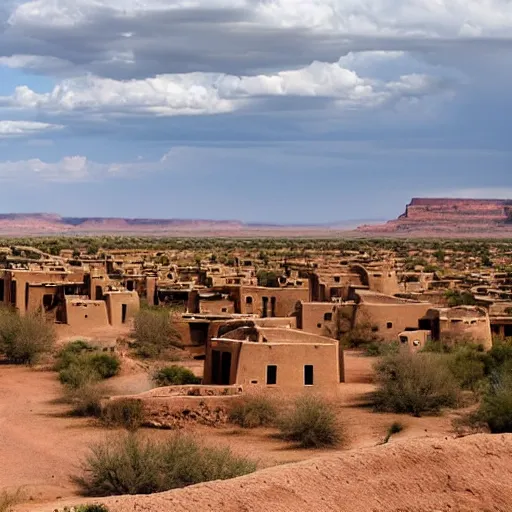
[277, 111]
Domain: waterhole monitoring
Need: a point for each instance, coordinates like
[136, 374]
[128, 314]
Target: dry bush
[154, 332]
[124, 412]
[311, 423]
[132, 465]
[496, 407]
[85, 400]
[253, 411]
[414, 384]
[23, 339]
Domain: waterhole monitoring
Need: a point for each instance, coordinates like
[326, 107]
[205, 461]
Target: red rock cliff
[451, 216]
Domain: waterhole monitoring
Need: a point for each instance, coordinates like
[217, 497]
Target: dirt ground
[41, 447]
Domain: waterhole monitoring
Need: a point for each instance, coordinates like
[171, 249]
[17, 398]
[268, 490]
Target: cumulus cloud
[24, 128]
[73, 168]
[211, 93]
[135, 38]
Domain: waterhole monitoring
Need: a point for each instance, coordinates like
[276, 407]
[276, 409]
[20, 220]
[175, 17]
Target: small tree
[154, 332]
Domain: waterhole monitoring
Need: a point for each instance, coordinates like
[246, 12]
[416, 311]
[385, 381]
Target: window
[248, 299]
[319, 326]
[271, 374]
[389, 325]
[308, 375]
[337, 279]
[327, 317]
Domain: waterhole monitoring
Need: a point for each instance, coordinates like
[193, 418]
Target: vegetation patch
[127, 413]
[311, 423]
[253, 411]
[154, 332]
[24, 339]
[132, 465]
[414, 384]
[175, 375]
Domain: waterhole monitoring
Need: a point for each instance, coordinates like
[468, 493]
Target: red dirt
[40, 447]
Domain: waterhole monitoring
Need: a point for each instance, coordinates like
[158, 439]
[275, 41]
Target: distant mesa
[450, 216]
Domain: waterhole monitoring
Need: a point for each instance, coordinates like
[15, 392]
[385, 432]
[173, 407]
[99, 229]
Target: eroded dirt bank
[466, 474]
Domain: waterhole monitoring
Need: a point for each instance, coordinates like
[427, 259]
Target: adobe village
[311, 371]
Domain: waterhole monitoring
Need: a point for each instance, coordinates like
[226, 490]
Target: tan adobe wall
[290, 360]
[286, 300]
[320, 318]
[117, 302]
[390, 319]
[86, 314]
[216, 307]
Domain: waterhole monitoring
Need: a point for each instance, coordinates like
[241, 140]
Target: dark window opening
[319, 326]
[215, 367]
[99, 293]
[124, 309]
[389, 325]
[327, 317]
[273, 307]
[129, 286]
[508, 331]
[2, 288]
[248, 300]
[308, 375]
[225, 368]
[264, 313]
[337, 279]
[375, 329]
[47, 302]
[271, 374]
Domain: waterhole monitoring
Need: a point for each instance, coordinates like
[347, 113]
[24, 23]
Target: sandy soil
[41, 447]
[471, 474]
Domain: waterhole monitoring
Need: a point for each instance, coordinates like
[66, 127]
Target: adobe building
[458, 324]
[285, 359]
[386, 316]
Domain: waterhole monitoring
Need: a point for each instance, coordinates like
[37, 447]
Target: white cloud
[212, 93]
[72, 168]
[23, 128]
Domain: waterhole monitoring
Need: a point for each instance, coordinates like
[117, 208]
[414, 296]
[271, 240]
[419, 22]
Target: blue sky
[292, 111]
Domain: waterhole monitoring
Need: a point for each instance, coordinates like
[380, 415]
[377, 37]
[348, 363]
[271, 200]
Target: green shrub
[496, 407]
[175, 375]
[154, 332]
[311, 423]
[376, 349]
[132, 465]
[499, 358]
[468, 367]
[414, 383]
[79, 366]
[23, 339]
[253, 411]
[124, 412]
[69, 352]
